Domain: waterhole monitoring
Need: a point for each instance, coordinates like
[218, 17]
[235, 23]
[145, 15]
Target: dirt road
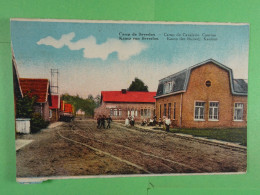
[79, 148]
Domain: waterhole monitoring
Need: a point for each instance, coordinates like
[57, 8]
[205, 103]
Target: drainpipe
[181, 111]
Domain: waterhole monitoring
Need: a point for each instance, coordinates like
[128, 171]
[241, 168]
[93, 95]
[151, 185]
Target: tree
[25, 109]
[97, 100]
[88, 105]
[138, 85]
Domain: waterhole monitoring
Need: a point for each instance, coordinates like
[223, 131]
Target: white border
[123, 21]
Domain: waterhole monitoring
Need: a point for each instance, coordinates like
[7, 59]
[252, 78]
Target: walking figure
[109, 120]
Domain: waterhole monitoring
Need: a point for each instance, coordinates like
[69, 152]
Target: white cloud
[93, 50]
[64, 40]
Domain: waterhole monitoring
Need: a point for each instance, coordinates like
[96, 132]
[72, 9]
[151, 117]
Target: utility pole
[54, 81]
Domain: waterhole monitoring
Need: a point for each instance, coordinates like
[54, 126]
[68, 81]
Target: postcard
[129, 98]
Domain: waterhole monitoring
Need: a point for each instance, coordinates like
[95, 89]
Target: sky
[107, 56]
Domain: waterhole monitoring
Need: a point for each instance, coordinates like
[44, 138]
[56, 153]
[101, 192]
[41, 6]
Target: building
[121, 104]
[203, 96]
[54, 108]
[17, 87]
[80, 112]
[41, 89]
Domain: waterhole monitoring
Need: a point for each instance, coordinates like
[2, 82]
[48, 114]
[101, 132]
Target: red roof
[55, 102]
[65, 107]
[36, 87]
[129, 96]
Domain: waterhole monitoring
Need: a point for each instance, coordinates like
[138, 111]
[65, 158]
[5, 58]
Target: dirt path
[79, 148]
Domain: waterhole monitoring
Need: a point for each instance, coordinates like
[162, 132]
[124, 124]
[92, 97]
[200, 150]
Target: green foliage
[24, 106]
[37, 123]
[88, 105]
[138, 85]
[24, 109]
[236, 135]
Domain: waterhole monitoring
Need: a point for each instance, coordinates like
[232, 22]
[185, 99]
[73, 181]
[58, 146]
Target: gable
[35, 87]
[182, 78]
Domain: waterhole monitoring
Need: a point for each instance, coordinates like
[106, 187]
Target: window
[111, 112]
[119, 112]
[199, 110]
[168, 86]
[115, 112]
[135, 112]
[148, 112]
[142, 112]
[160, 111]
[169, 110]
[50, 114]
[238, 111]
[174, 110]
[213, 110]
[164, 111]
[145, 112]
[208, 83]
[132, 112]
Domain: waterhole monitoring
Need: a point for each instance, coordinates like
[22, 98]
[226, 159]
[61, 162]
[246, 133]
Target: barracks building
[122, 104]
[203, 96]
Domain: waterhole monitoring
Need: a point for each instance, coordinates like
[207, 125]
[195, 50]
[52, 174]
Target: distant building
[54, 108]
[80, 113]
[121, 104]
[41, 89]
[203, 96]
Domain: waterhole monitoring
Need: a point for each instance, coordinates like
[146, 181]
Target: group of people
[166, 122]
[103, 121]
[130, 121]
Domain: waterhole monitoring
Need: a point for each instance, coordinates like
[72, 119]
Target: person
[154, 120]
[151, 122]
[167, 124]
[144, 122]
[103, 118]
[132, 121]
[160, 122]
[98, 121]
[127, 122]
[109, 120]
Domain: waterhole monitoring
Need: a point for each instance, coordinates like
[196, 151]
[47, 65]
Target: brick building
[55, 108]
[39, 88]
[203, 96]
[121, 104]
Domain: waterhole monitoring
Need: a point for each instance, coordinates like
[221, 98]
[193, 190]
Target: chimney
[123, 91]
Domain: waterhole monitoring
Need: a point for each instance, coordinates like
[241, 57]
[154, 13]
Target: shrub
[37, 123]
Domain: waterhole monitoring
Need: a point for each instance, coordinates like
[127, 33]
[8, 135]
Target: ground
[78, 148]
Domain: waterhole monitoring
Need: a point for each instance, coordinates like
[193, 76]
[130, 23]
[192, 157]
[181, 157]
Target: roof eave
[168, 94]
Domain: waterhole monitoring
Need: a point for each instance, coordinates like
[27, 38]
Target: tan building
[121, 104]
[203, 96]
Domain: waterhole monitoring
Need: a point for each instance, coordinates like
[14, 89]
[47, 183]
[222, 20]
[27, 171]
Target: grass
[235, 135]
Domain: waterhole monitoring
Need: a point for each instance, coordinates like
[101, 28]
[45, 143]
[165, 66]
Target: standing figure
[103, 119]
[109, 120]
[167, 124]
[154, 120]
[126, 122]
[99, 122]
[160, 122]
[132, 121]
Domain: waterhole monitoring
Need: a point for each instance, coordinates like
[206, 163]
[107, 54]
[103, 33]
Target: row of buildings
[202, 96]
[49, 106]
